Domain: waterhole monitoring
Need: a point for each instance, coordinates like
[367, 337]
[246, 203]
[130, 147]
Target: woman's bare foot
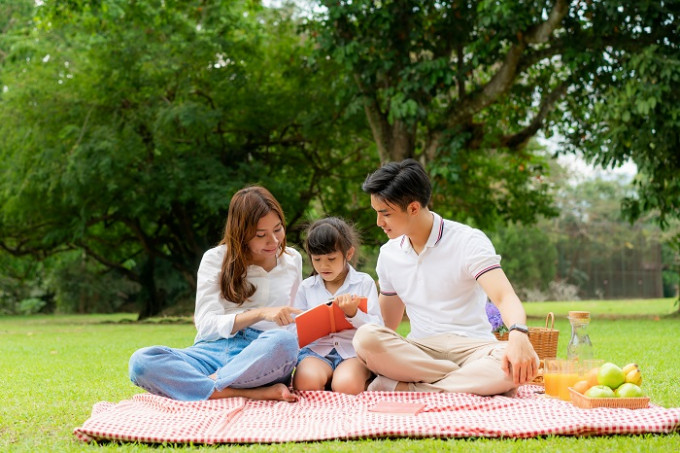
[276, 392]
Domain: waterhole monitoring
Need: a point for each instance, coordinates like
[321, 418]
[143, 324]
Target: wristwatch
[520, 327]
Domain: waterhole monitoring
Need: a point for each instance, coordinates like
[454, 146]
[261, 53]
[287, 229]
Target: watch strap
[520, 327]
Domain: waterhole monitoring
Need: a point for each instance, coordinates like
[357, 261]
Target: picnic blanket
[327, 415]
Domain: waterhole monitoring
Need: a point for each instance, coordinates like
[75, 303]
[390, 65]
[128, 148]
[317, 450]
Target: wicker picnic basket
[544, 341]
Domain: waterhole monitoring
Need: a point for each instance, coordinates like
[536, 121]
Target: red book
[323, 320]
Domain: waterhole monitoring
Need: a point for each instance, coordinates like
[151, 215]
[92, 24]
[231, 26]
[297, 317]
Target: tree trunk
[395, 142]
[154, 301]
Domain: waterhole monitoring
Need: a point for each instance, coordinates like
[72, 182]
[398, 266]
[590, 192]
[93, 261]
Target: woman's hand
[280, 315]
[348, 303]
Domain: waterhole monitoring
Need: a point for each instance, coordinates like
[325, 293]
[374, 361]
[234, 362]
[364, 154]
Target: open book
[322, 320]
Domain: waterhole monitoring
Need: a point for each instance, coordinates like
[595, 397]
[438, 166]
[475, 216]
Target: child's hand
[348, 303]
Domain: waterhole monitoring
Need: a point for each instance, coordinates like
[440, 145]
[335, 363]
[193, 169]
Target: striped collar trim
[441, 231]
[435, 234]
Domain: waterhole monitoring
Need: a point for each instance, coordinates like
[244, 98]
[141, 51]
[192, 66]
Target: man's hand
[520, 361]
[348, 303]
[280, 315]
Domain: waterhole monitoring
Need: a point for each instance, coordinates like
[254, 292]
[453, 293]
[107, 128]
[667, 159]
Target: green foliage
[82, 285]
[463, 86]
[30, 306]
[128, 125]
[528, 256]
[420, 68]
[589, 250]
[635, 113]
[488, 190]
[11, 287]
[599, 251]
[670, 253]
[64, 283]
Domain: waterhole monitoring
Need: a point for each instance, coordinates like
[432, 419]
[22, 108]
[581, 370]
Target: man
[441, 273]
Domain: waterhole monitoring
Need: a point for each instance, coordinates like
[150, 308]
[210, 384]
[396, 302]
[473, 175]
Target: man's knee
[368, 338]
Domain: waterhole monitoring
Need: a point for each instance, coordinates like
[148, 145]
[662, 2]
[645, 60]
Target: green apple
[629, 390]
[610, 375]
[599, 391]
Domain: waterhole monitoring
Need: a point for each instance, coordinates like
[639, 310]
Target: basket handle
[550, 317]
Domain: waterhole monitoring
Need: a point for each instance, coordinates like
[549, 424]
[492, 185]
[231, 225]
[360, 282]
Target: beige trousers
[441, 363]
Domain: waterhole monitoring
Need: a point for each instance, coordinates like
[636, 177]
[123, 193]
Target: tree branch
[377, 120]
[460, 80]
[41, 253]
[519, 139]
[531, 58]
[431, 145]
[541, 32]
[82, 131]
[106, 262]
[503, 79]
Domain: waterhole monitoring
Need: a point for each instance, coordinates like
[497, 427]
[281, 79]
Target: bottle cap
[579, 314]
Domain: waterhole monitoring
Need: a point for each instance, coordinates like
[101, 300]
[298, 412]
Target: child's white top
[214, 315]
[439, 286]
[313, 292]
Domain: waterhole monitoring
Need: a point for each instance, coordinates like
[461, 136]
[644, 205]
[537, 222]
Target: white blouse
[214, 315]
[313, 292]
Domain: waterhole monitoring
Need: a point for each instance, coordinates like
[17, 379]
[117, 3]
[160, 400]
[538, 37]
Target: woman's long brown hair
[246, 208]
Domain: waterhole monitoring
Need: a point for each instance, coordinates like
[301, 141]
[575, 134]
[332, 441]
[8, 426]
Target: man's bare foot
[276, 392]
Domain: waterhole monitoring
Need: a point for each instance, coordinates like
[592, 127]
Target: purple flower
[494, 316]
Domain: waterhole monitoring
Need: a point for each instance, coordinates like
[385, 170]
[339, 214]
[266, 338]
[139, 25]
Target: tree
[464, 85]
[640, 120]
[528, 257]
[598, 249]
[127, 126]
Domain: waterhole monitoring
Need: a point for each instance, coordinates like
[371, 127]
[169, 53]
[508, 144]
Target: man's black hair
[400, 183]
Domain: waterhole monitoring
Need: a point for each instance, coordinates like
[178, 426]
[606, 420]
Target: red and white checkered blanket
[327, 415]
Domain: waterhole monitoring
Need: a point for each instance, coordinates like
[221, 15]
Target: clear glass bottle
[579, 347]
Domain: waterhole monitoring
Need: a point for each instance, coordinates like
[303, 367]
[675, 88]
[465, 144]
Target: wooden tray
[584, 402]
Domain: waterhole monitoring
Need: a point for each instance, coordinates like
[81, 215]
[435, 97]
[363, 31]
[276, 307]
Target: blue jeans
[333, 359]
[249, 359]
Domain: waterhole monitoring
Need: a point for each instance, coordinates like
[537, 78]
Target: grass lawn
[54, 368]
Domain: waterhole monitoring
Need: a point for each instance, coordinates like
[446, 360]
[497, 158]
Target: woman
[244, 295]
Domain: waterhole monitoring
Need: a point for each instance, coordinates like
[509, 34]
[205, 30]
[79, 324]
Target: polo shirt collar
[433, 239]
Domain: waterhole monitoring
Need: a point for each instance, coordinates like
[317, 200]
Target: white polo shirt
[214, 315]
[313, 292]
[439, 287]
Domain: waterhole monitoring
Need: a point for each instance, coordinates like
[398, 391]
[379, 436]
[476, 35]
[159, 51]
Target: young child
[243, 301]
[331, 244]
